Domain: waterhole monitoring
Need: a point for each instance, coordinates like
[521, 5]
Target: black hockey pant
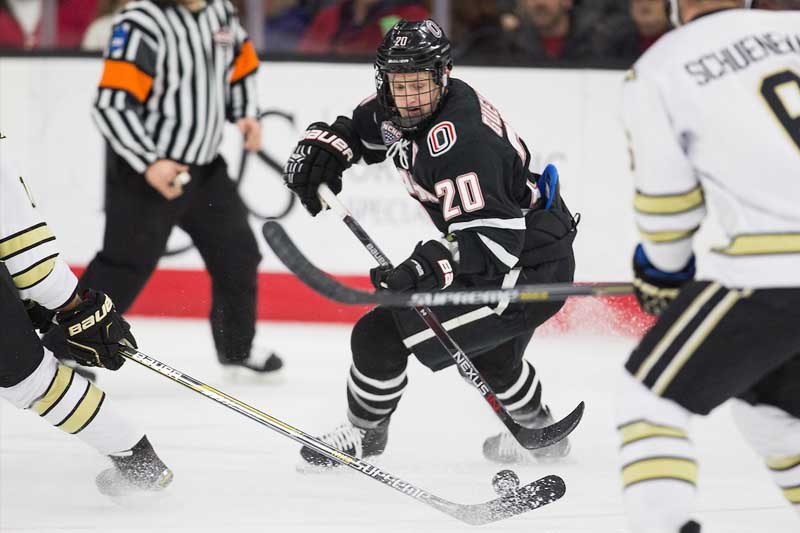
[20, 348]
[494, 338]
[138, 223]
[714, 343]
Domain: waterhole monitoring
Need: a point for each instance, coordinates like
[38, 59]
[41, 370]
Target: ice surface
[232, 474]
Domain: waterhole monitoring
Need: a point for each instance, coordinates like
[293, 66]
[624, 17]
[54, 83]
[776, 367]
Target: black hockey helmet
[410, 47]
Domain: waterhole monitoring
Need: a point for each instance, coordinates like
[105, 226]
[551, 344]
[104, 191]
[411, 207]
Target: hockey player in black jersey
[501, 224]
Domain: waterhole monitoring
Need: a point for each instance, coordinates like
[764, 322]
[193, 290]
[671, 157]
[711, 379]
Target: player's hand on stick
[251, 130]
[655, 289]
[94, 332]
[163, 177]
[323, 154]
[430, 267]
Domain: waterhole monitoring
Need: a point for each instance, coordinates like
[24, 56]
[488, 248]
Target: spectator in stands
[356, 27]
[285, 22]
[546, 29]
[630, 37]
[98, 33]
[477, 30]
[777, 5]
[21, 23]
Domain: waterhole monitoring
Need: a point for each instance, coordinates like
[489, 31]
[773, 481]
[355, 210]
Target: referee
[174, 72]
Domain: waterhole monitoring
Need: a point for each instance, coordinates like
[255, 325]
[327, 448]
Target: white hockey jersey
[712, 113]
[27, 246]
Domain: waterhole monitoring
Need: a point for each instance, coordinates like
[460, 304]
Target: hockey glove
[430, 267]
[93, 332]
[655, 289]
[323, 154]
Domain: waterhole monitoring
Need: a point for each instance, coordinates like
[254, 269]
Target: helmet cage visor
[410, 97]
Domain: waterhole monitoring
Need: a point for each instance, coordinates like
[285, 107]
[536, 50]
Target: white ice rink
[232, 474]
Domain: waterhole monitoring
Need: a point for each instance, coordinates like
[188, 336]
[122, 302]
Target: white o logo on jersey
[441, 138]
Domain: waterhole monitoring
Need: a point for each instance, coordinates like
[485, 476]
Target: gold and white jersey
[27, 246]
[712, 113]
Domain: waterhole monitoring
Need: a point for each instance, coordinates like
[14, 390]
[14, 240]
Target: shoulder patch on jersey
[441, 138]
[119, 38]
[390, 133]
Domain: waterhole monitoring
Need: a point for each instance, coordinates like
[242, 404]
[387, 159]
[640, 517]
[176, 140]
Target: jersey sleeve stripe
[35, 273]
[127, 77]
[499, 252]
[500, 223]
[792, 494]
[668, 204]
[783, 463]
[25, 240]
[245, 63]
[761, 244]
[373, 146]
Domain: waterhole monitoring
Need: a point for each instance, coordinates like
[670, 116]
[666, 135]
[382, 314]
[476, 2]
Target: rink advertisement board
[567, 117]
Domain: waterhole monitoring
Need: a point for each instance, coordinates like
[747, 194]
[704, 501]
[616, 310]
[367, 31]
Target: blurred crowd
[482, 31]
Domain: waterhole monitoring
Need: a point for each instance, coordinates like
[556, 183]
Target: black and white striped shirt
[170, 80]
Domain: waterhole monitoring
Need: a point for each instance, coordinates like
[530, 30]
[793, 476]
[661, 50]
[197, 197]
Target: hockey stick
[513, 502]
[309, 274]
[530, 438]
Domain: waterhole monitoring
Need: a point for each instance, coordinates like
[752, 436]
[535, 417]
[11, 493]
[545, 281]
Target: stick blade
[532, 496]
[533, 438]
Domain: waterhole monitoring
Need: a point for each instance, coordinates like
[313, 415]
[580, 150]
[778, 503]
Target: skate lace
[345, 437]
[400, 148]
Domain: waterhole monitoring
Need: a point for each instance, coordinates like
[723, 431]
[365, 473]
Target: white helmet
[675, 16]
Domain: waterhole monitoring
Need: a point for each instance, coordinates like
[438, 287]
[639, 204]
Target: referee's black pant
[138, 223]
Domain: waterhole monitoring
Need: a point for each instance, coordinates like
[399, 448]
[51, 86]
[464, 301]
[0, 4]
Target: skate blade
[137, 498]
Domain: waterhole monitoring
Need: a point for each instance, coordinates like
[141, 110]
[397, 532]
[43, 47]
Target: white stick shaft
[328, 198]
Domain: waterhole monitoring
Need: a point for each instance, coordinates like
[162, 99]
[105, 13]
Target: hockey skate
[690, 527]
[504, 448]
[352, 440]
[136, 470]
[262, 365]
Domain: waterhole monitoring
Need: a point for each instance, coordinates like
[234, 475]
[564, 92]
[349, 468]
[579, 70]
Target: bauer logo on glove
[329, 138]
[93, 319]
[92, 332]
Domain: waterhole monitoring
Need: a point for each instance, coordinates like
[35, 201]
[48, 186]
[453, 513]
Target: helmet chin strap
[675, 15]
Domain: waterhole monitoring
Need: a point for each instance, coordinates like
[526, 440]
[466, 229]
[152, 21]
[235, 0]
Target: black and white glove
[93, 332]
[323, 154]
[430, 267]
[656, 289]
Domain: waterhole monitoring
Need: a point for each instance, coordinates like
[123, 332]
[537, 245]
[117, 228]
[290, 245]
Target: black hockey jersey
[469, 170]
